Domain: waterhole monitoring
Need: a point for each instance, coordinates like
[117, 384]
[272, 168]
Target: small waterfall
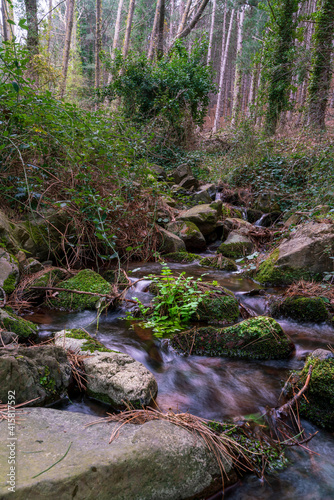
[258, 223]
[139, 291]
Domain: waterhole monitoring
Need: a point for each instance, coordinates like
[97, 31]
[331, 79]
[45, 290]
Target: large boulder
[84, 281]
[21, 327]
[306, 254]
[170, 242]
[7, 234]
[112, 377]
[153, 461]
[205, 194]
[254, 338]
[203, 216]
[189, 233]
[236, 245]
[318, 405]
[220, 305]
[41, 372]
[180, 173]
[304, 309]
[9, 272]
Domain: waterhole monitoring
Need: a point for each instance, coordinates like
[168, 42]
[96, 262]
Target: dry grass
[311, 289]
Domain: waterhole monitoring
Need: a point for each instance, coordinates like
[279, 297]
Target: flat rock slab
[153, 461]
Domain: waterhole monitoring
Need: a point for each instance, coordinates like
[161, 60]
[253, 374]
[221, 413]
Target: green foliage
[174, 305]
[175, 88]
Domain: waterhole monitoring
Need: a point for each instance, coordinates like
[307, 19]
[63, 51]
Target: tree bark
[185, 32]
[98, 44]
[128, 28]
[5, 25]
[238, 74]
[222, 71]
[160, 37]
[67, 46]
[321, 73]
[116, 35]
[213, 16]
[153, 38]
[49, 29]
[32, 33]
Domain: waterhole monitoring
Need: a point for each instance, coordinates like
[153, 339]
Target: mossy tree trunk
[285, 21]
[321, 73]
[32, 33]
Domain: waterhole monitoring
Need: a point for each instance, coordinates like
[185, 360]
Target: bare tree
[212, 25]
[67, 46]
[126, 43]
[98, 44]
[154, 33]
[185, 30]
[238, 73]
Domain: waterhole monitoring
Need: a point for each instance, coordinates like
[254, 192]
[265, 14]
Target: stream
[216, 388]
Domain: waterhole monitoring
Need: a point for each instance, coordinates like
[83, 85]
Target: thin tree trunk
[67, 46]
[160, 37]
[128, 28]
[238, 74]
[154, 30]
[222, 71]
[185, 16]
[185, 32]
[5, 25]
[171, 21]
[49, 29]
[116, 35]
[98, 44]
[32, 33]
[213, 16]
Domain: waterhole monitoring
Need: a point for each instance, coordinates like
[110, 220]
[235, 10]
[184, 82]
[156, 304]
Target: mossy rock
[255, 338]
[234, 250]
[84, 281]
[218, 306]
[270, 274]
[311, 309]
[219, 262]
[13, 323]
[86, 342]
[181, 257]
[318, 406]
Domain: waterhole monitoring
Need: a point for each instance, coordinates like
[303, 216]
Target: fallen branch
[287, 406]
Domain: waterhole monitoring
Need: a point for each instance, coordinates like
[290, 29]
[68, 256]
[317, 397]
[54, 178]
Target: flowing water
[217, 388]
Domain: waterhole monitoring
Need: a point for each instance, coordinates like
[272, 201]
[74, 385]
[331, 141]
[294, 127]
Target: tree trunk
[321, 71]
[160, 37]
[238, 73]
[185, 32]
[32, 33]
[49, 29]
[128, 28]
[153, 38]
[211, 31]
[185, 16]
[116, 35]
[222, 71]
[67, 46]
[98, 44]
[6, 32]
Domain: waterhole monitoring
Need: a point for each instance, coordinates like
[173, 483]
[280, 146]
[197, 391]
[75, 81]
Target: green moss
[85, 281]
[104, 398]
[301, 309]
[20, 326]
[181, 257]
[47, 381]
[235, 250]
[217, 262]
[269, 274]
[218, 308]
[9, 284]
[91, 344]
[254, 338]
[319, 403]
[38, 233]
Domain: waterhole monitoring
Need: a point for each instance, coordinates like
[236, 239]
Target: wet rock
[156, 460]
[9, 272]
[181, 257]
[41, 372]
[170, 242]
[203, 216]
[7, 338]
[218, 206]
[220, 305]
[270, 219]
[32, 266]
[318, 406]
[205, 194]
[219, 262]
[85, 281]
[306, 254]
[253, 215]
[21, 327]
[304, 309]
[255, 338]
[189, 233]
[112, 377]
[236, 245]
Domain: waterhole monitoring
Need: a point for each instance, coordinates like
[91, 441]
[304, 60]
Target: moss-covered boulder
[13, 323]
[236, 245]
[170, 242]
[311, 309]
[181, 257]
[219, 262]
[269, 273]
[203, 216]
[9, 272]
[112, 377]
[254, 338]
[84, 281]
[189, 233]
[318, 406]
[220, 305]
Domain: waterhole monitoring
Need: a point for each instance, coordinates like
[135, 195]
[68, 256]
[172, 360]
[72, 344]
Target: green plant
[174, 305]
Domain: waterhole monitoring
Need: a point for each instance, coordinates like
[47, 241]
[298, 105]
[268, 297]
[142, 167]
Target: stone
[159, 172]
[7, 234]
[306, 254]
[267, 202]
[205, 194]
[218, 206]
[180, 173]
[112, 377]
[168, 200]
[304, 309]
[7, 338]
[241, 225]
[189, 233]
[189, 182]
[203, 216]
[293, 220]
[253, 215]
[219, 306]
[21, 327]
[270, 219]
[9, 272]
[153, 461]
[236, 245]
[255, 338]
[182, 257]
[32, 266]
[85, 281]
[170, 242]
[219, 262]
[41, 372]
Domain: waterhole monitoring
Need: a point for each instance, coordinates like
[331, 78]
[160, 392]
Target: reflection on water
[217, 387]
